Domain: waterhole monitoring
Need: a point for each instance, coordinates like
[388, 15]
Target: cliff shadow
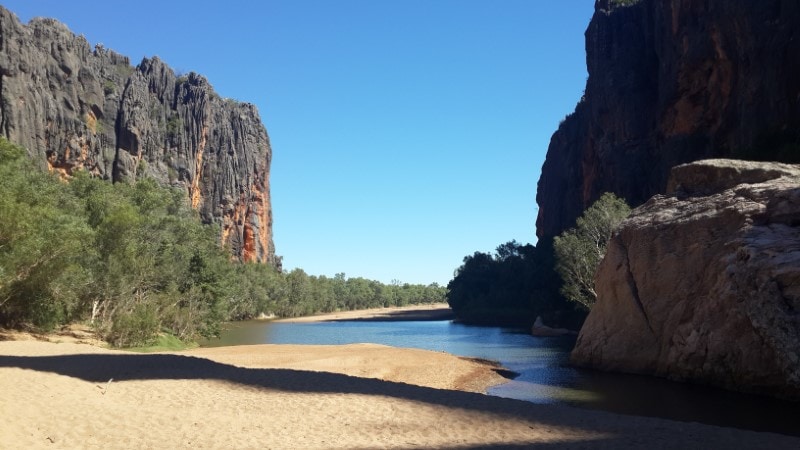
[617, 430]
[99, 368]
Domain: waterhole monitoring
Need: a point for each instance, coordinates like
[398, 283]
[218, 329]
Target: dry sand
[432, 311]
[365, 396]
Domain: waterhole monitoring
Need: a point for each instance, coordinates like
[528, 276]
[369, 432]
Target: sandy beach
[365, 396]
[432, 311]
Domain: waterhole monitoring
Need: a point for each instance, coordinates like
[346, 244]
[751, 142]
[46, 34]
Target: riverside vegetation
[554, 279]
[134, 261]
[510, 287]
[579, 250]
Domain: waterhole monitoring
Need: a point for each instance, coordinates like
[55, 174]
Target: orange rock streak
[194, 189]
[249, 219]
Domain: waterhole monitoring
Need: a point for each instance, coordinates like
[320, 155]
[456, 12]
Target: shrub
[137, 328]
[174, 125]
[624, 2]
[109, 87]
[579, 250]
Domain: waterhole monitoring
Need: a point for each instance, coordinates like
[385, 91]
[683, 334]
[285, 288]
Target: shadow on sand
[622, 430]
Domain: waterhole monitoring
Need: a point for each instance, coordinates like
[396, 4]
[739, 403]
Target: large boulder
[703, 284]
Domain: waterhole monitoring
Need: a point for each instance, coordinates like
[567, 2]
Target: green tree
[299, 291]
[510, 287]
[135, 261]
[579, 250]
[42, 242]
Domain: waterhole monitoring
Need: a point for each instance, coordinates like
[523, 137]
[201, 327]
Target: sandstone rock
[76, 107]
[703, 285]
[715, 175]
[539, 329]
[670, 82]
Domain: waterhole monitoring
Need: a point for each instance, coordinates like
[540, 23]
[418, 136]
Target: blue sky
[406, 134]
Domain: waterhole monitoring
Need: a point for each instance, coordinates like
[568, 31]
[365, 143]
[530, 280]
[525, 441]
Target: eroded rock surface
[77, 107]
[703, 284]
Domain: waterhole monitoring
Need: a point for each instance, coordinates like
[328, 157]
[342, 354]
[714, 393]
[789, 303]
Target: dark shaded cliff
[74, 107]
[673, 81]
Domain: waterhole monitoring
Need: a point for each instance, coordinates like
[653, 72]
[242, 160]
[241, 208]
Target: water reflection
[544, 373]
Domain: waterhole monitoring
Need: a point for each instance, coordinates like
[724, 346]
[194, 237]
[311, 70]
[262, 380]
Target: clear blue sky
[406, 134]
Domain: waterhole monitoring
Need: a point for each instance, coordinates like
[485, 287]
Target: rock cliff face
[74, 107]
[703, 284]
[673, 81]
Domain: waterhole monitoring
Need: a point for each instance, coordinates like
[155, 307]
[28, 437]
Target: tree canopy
[510, 287]
[579, 250]
[134, 260]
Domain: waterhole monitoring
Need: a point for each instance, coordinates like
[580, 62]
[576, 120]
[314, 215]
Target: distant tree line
[135, 261]
[298, 294]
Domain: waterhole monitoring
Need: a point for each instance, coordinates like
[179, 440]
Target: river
[544, 375]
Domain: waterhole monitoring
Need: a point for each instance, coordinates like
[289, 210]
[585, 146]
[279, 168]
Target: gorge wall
[74, 107]
[673, 81]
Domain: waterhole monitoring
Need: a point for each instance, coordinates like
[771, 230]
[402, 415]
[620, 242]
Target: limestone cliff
[703, 284]
[673, 81]
[77, 107]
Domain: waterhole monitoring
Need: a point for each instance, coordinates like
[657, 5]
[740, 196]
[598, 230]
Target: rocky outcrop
[77, 107]
[703, 284]
[673, 81]
[539, 329]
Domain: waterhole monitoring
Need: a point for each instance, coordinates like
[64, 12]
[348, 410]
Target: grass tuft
[164, 343]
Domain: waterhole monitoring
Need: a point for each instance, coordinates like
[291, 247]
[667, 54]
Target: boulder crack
[633, 287]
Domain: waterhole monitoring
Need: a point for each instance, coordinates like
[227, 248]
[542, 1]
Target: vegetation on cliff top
[622, 3]
[135, 261]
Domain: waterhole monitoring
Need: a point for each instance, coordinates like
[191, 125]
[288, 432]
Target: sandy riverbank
[433, 311]
[58, 395]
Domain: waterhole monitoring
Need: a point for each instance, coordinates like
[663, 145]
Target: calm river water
[544, 375]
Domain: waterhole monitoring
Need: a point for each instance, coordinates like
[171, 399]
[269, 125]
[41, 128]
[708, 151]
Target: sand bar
[58, 395]
[433, 311]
